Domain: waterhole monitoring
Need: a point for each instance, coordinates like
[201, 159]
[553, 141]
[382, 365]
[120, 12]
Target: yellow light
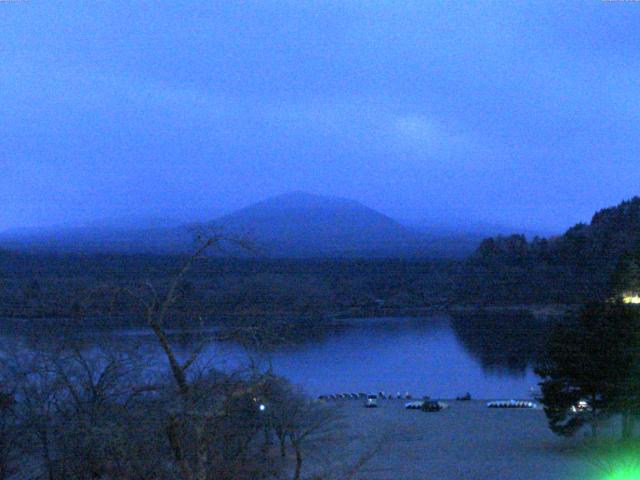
[634, 299]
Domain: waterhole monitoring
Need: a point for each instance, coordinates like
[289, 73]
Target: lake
[440, 356]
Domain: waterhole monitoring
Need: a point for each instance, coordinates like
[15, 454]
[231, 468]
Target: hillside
[613, 232]
[143, 236]
[574, 267]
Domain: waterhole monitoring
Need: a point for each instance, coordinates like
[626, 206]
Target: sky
[512, 113]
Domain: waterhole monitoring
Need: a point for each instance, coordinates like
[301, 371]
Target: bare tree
[313, 423]
[73, 406]
[189, 425]
[298, 421]
[98, 386]
[315, 430]
[39, 393]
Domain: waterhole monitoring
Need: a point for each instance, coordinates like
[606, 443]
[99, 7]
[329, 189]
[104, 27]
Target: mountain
[296, 225]
[300, 224]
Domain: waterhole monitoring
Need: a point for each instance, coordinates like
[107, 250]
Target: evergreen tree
[594, 360]
[626, 277]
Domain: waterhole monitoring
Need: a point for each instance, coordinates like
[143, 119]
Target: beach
[467, 441]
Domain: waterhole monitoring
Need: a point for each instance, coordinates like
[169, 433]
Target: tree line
[95, 286]
[575, 267]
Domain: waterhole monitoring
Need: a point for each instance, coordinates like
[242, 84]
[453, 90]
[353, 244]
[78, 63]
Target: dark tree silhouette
[626, 277]
[595, 360]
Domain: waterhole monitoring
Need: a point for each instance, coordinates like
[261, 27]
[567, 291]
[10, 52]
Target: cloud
[419, 129]
[425, 134]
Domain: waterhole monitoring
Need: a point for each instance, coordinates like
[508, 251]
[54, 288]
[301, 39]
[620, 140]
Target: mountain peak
[299, 199]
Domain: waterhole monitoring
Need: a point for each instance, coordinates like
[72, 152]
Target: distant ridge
[293, 225]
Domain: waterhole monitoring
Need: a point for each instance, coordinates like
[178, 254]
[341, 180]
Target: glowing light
[632, 299]
[626, 472]
[262, 407]
[619, 466]
[581, 406]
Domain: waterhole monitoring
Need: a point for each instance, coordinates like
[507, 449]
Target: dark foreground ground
[467, 441]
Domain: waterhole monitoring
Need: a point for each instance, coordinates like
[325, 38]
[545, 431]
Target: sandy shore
[468, 441]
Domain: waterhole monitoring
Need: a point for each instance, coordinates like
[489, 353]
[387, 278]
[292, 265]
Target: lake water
[422, 357]
[436, 356]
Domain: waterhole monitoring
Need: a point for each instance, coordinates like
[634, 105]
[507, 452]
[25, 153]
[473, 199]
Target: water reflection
[503, 344]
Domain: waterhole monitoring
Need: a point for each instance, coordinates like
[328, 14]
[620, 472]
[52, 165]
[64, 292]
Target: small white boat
[371, 401]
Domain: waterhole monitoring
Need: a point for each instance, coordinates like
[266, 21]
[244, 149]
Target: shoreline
[549, 311]
[355, 315]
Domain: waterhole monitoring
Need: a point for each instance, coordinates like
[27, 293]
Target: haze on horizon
[451, 113]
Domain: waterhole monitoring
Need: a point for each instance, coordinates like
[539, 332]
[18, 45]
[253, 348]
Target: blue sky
[522, 114]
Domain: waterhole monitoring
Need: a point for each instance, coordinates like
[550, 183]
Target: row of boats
[362, 395]
[435, 406]
[429, 405]
[425, 404]
[512, 404]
